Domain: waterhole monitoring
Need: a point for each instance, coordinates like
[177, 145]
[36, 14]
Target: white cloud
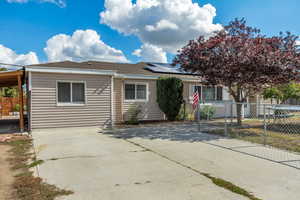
[82, 45]
[60, 3]
[151, 53]
[168, 24]
[9, 56]
[162, 25]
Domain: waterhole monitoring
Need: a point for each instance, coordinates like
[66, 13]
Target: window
[78, 93]
[135, 91]
[141, 91]
[209, 93]
[219, 93]
[129, 91]
[71, 92]
[197, 89]
[64, 95]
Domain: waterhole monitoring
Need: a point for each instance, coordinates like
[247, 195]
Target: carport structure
[13, 79]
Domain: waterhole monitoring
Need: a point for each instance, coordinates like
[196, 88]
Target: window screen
[129, 91]
[209, 93]
[64, 92]
[78, 95]
[141, 92]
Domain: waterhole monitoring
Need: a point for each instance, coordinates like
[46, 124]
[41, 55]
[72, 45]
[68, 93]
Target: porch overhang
[12, 79]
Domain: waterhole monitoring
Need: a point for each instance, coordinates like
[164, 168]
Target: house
[72, 94]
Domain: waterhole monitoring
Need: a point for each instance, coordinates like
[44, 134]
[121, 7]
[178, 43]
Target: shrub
[191, 117]
[182, 115]
[169, 96]
[133, 112]
[207, 112]
[16, 108]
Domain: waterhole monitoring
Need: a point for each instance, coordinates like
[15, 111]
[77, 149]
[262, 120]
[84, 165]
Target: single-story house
[71, 94]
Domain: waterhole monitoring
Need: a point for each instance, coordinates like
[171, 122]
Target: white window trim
[136, 100]
[71, 103]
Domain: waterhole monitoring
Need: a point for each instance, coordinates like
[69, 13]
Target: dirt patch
[6, 174]
[20, 183]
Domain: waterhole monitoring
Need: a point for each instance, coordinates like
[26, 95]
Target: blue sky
[26, 27]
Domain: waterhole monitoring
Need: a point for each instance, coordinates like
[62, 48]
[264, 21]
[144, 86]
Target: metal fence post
[231, 113]
[265, 125]
[199, 124]
[207, 115]
[225, 126]
[184, 110]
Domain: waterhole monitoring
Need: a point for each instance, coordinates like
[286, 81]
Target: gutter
[70, 70]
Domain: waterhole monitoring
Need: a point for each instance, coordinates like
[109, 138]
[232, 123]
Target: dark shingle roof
[122, 68]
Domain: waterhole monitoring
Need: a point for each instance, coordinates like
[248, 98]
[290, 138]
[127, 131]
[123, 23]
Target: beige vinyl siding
[186, 91]
[118, 96]
[47, 114]
[150, 108]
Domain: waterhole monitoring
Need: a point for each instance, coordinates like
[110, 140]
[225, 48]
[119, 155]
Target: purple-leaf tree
[241, 59]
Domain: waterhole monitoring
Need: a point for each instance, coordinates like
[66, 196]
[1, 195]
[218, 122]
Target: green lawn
[256, 134]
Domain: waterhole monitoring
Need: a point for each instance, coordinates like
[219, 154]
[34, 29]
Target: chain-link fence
[263, 125]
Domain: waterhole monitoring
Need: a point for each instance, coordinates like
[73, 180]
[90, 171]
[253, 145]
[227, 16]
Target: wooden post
[1, 105]
[21, 103]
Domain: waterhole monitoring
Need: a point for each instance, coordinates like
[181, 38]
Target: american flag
[195, 99]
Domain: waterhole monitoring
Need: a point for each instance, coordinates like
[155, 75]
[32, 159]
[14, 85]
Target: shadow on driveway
[184, 132]
[190, 133]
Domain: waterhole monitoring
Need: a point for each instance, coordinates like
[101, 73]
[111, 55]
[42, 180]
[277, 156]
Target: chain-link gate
[270, 131]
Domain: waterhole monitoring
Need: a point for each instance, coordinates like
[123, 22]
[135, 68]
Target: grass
[290, 142]
[26, 186]
[230, 186]
[35, 163]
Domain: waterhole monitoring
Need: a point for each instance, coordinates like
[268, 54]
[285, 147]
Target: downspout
[29, 101]
[122, 99]
[112, 102]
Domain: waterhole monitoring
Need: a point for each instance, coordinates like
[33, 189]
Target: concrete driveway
[158, 163]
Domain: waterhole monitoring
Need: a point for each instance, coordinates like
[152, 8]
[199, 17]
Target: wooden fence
[9, 105]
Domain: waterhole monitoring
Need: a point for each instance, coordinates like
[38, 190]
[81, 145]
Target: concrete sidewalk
[211, 154]
[98, 166]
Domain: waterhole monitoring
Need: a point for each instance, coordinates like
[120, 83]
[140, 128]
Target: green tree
[9, 92]
[283, 92]
[169, 96]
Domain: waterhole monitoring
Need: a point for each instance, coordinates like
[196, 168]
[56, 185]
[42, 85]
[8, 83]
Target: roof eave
[114, 73]
[70, 70]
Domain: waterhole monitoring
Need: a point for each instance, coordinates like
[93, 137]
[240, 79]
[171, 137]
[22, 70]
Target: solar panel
[166, 68]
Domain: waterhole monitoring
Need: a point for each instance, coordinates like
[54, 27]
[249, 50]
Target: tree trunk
[239, 107]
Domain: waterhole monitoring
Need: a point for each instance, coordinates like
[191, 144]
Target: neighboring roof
[120, 68]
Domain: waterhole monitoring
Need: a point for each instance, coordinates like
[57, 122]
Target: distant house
[71, 94]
